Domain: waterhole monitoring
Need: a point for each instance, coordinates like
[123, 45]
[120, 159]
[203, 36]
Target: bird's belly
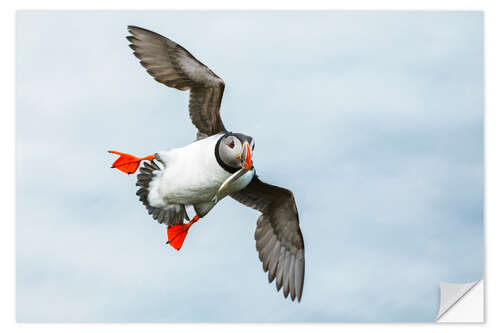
[190, 175]
[189, 190]
[181, 184]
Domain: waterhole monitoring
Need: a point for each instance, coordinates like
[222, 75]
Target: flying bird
[218, 164]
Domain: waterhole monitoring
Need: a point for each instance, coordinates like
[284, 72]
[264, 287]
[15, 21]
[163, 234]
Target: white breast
[191, 174]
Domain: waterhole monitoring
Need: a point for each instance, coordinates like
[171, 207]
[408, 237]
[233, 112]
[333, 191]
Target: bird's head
[235, 150]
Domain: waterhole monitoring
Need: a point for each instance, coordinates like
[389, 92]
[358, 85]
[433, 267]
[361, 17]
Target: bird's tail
[169, 214]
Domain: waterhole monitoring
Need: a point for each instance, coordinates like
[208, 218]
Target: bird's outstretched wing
[171, 64]
[278, 236]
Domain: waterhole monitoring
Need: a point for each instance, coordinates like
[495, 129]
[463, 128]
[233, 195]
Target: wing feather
[171, 64]
[278, 237]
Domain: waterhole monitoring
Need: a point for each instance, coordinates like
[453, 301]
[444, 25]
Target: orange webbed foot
[128, 163]
[177, 233]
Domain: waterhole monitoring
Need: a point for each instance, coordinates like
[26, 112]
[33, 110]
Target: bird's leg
[128, 163]
[177, 233]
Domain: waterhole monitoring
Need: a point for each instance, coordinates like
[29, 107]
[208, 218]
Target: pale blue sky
[373, 119]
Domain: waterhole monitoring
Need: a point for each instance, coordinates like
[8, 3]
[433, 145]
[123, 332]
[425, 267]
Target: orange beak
[246, 157]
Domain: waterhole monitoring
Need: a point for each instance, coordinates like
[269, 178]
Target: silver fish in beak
[234, 183]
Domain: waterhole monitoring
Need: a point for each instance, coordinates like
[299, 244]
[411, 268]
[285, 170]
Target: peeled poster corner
[461, 302]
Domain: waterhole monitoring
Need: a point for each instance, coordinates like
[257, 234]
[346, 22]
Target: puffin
[216, 165]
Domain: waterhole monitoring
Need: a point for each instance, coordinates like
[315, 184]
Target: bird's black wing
[278, 236]
[171, 64]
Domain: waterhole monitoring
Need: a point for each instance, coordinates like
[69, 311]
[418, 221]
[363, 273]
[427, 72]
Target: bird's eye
[253, 146]
[231, 144]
